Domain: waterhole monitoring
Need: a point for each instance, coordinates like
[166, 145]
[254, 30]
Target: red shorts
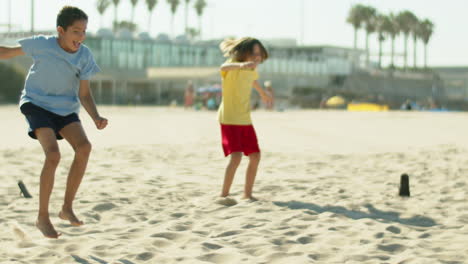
[239, 138]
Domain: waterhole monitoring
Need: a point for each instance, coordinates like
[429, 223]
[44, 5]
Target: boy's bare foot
[46, 227]
[67, 214]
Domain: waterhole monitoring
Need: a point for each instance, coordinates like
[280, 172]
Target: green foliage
[102, 6]
[11, 83]
[132, 27]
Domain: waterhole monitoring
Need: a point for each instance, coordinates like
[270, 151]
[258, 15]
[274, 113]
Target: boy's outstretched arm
[229, 66]
[88, 103]
[10, 52]
[265, 97]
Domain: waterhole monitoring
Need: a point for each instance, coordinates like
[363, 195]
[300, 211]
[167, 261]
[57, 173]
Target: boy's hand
[100, 122]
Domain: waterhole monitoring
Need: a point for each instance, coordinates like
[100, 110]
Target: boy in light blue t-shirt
[57, 82]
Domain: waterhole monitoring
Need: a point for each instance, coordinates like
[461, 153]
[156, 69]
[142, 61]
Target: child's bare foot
[250, 198]
[67, 214]
[45, 226]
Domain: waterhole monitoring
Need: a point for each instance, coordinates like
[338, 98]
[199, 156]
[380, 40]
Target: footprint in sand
[250, 226]
[229, 233]
[145, 256]
[291, 233]
[263, 211]
[181, 227]
[393, 248]
[218, 258]
[393, 229]
[154, 221]
[211, 246]
[226, 201]
[178, 215]
[72, 248]
[104, 207]
[282, 241]
[379, 235]
[101, 247]
[160, 243]
[305, 240]
[167, 235]
[314, 256]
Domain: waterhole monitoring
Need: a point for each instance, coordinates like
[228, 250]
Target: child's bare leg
[48, 140]
[254, 160]
[230, 172]
[75, 135]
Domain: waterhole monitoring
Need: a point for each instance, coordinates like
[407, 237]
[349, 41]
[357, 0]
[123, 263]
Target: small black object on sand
[404, 185]
[24, 190]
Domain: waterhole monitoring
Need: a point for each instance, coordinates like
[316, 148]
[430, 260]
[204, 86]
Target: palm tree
[369, 18]
[116, 4]
[416, 32]
[186, 14]
[427, 29]
[134, 3]
[393, 29]
[174, 5]
[383, 25]
[405, 21]
[150, 4]
[200, 7]
[102, 6]
[355, 18]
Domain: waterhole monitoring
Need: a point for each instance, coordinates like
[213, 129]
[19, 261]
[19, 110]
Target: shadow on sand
[374, 213]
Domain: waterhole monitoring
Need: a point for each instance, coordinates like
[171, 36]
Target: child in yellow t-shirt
[239, 75]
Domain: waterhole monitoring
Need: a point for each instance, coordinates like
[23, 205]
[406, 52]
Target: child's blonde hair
[241, 49]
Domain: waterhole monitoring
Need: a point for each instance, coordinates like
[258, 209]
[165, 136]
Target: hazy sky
[324, 21]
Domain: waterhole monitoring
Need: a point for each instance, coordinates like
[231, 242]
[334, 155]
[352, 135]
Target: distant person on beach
[270, 92]
[189, 95]
[406, 105]
[56, 84]
[239, 75]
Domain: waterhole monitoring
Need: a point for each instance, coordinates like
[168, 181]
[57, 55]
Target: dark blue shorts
[38, 117]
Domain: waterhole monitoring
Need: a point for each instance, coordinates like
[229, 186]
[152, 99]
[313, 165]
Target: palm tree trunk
[355, 37]
[406, 52]
[133, 13]
[9, 16]
[200, 27]
[172, 26]
[115, 17]
[149, 22]
[367, 49]
[425, 56]
[393, 51]
[186, 18]
[380, 53]
[414, 51]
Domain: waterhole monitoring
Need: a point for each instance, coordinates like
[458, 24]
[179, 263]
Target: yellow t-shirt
[235, 104]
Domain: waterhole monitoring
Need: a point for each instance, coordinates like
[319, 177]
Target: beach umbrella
[335, 101]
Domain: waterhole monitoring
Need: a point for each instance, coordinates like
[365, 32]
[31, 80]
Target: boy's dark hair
[241, 49]
[68, 15]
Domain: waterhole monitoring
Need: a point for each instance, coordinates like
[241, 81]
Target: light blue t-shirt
[54, 78]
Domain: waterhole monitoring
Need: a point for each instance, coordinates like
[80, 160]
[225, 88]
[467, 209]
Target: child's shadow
[374, 213]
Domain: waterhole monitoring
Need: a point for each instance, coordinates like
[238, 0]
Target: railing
[138, 55]
[142, 54]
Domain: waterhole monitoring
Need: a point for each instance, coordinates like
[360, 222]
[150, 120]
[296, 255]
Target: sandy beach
[328, 188]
